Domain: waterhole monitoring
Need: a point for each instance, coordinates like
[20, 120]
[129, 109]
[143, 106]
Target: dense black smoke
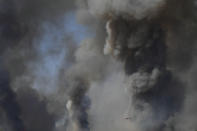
[141, 45]
[154, 40]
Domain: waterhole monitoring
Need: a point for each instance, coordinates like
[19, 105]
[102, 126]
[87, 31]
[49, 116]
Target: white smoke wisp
[108, 49]
[73, 123]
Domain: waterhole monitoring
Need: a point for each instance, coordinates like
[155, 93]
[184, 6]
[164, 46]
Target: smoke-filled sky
[98, 65]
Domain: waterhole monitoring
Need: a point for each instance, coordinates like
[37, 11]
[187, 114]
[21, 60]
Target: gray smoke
[155, 42]
[23, 26]
[144, 47]
[10, 111]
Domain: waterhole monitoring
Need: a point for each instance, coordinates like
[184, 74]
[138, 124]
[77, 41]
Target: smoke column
[135, 70]
[150, 39]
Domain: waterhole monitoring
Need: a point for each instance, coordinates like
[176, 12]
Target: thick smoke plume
[51, 82]
[150, 39]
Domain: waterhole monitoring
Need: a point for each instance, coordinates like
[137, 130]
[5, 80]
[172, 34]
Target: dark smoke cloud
[35, 114]
[181, 27]
[21, 25]
[56, 85]
[21, 29]
[10, 109]
[24, 18]
[156, 42]
[142, 47]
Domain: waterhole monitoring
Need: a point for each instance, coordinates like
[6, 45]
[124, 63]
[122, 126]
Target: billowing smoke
[26, 56]
[154, 41]
[60, 81]
[140, 44]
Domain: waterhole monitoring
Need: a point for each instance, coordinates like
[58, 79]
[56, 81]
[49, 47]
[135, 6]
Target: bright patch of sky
[52, 51]
[78, 30]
